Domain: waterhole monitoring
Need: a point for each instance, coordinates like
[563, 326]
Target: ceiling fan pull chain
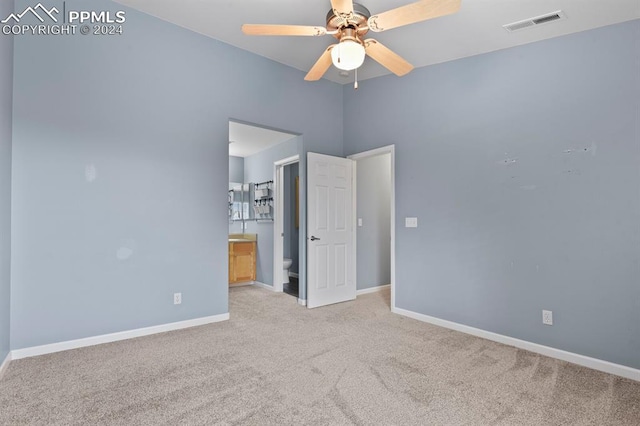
[355, 84]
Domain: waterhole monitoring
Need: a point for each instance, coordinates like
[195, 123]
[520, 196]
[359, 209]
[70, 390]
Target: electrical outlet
[177, 298]
[359, 221]
[547, 317]
[410, 222]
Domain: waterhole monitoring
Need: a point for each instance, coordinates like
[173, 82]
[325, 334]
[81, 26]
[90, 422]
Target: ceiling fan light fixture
[348, 55]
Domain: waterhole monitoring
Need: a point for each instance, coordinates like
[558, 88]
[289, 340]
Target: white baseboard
[585, 361]
[113, 337]
[294, 274]
[372, 289]
[5, 365]
[263, 285]
[302, 302]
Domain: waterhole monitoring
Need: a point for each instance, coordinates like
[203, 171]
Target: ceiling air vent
[532, 22]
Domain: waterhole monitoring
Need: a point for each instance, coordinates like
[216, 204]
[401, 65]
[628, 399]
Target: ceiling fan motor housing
[357, 22]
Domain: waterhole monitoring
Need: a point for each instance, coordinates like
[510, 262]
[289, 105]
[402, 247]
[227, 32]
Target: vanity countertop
[242, 238]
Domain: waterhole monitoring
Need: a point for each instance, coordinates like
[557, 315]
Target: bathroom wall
[259, 168]
[291, 234]
[235, 227]
[236, 169]
[374, 208]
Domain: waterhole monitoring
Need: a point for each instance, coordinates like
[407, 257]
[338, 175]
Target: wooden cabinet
[242, 261]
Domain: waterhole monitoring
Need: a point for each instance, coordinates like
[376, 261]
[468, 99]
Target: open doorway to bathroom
[287, 226]
[252, 198]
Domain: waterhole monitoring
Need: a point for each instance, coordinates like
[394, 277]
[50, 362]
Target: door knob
[313, 238]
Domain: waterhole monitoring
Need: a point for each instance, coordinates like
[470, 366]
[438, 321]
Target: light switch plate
[359, 221]
[410, 222]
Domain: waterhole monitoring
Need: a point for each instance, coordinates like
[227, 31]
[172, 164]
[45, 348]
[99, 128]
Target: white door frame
[389, 149]
[278, 220]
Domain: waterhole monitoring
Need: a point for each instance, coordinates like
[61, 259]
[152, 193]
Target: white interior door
[330, 236]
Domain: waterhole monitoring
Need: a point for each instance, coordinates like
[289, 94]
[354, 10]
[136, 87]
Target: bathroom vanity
[242, 258]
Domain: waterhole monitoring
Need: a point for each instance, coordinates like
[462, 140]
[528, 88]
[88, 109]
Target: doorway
[335, 265]
[287, 259]
[252, 152]
[374, 204]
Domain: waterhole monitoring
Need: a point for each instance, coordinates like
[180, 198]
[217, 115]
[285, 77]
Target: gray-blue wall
[291, 233]
[236, 169]
[259, 168]
[522, 166]
[120, 171]
[525, 162]
[6, 95]
[373, 206]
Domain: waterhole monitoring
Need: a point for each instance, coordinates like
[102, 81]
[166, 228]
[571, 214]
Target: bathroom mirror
[240, 202]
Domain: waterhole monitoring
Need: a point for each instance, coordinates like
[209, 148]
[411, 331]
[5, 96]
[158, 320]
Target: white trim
[354, 221]
[372, 289]
[372, 152]
[389, 149]
[287, 161]
[278, 227]
[585, 361]
[263, 285]
[278, 219]
[114, 337]
[5, 365]
[302, 302]
[294, 274]
[393, 225]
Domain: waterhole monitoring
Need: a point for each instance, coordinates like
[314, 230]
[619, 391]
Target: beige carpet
[275, 362]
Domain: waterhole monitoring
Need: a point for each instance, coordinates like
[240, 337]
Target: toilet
[286, 264]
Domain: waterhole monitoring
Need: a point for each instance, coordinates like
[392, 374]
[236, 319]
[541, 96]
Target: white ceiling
[476, 28]
[246, 140]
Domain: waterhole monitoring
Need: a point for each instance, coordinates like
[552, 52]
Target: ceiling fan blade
[387, 58]
[412, 13]
[283, 30]
[342, 8]
[321, 66]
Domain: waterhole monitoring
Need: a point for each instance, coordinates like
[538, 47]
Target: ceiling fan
[349, 22]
